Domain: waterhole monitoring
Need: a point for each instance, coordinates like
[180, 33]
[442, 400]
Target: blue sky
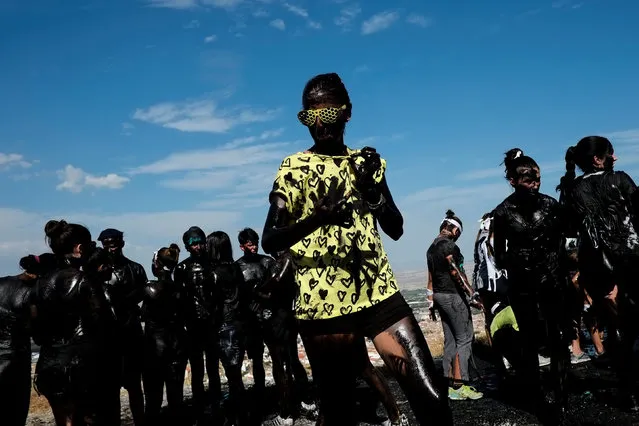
[155, 115]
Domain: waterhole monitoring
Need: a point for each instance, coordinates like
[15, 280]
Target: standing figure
[194, 275]
[326, 206]
[74, 326]
[528, 238]
[227, 283]
[165, 343]
[15, 338]
[602, 206]
[257, 270]
[125, 290]
[449, 289]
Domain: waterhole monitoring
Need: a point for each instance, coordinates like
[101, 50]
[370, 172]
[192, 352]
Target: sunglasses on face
[329, 115]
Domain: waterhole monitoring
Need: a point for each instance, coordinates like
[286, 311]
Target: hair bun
[175, 247]
[450, 214]
[54, 228]
[29, 264]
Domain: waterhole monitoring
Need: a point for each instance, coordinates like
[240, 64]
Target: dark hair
[515, 162]
[62, 237]
[193, 231]
[218, 245]
[98, 257]
[248, 235]
[449, 226]
[326, 88]
[166, 257]
[581, 155]
[38, 265]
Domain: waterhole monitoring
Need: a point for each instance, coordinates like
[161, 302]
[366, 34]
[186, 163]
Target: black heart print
[341, 295]
[328, 308]
[307, 298]
[345, 310]
[320, 168]
[313, 283]
[323, 293]
[306, 242]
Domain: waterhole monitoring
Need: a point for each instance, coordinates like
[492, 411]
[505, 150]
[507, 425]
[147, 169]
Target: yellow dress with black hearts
[338, 270]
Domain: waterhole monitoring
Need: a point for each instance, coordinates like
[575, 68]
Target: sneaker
[279, 421]
[455, 394]
[402, 421]
[544, 361]
[578, 359]
[470, 392]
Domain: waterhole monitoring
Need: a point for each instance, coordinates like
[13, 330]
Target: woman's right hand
[332, 207]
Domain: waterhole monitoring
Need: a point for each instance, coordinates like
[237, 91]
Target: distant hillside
[411, 280]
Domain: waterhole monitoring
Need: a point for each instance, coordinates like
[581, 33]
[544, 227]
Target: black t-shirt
[440, 268]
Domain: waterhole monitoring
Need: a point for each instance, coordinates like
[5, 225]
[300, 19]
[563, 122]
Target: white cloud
[23, 231]
[210, 39]
[13, 160]
[278, 23]
[75, 180]
[260, 13]
[296, 10]
[206, 159]
[127, 129]
[419, 20]
[193, 4]
[379, 22]
[624, 136]
[199, 116]
[314, 25]
[361, 68]
[193, 24]
[268, 134]
[347, 15]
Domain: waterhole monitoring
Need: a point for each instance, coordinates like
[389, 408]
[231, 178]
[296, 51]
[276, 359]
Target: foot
[579, 358]
[544, 361]
[279, 421]
[470, 392]
[455, 394]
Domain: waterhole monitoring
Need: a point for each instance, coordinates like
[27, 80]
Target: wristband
[429, 292]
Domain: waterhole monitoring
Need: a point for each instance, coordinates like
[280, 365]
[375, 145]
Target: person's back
[228, 281]
[14, 313]
[125, 290]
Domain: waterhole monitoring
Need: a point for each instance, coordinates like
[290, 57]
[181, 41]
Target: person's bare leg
[405, 352]
[376, 380]
[456, 371]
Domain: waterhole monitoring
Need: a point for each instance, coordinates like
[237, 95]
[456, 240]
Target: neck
[444, 233]
[331, 148]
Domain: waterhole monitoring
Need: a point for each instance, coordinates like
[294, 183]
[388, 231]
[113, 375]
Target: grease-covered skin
[15, 350]
[194, 275]
[165, 345]
[602, 206]
[527, 230]
[73, 324]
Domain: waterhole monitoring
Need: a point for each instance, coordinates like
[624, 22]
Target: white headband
[454, 223]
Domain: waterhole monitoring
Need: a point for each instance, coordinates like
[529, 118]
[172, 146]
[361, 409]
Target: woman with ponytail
[73, 325]
[15, 342]
[527, 229]
[165, 337]
[600, 209]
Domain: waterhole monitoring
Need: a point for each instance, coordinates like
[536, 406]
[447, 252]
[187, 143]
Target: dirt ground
[593, 396]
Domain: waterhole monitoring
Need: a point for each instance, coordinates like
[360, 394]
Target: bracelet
[377, 205]
[429, 292]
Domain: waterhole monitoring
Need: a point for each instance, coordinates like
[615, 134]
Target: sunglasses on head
[329, 115]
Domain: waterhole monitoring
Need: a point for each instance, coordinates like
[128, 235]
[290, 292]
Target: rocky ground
[593, 398]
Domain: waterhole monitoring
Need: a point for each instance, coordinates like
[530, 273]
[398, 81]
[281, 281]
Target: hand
[365, 172]
[333, 208]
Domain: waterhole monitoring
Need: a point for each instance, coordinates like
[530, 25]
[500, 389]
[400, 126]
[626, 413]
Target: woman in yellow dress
[325, 208]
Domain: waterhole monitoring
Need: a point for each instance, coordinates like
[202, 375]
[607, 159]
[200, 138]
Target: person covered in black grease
[325, 208]
[449, 290]
[226, 282]
[125, 290]
[271, 289]
[165, 343]
[74, 326]
[15, 337]
[194, 275]
[602, 205]
[528, 237]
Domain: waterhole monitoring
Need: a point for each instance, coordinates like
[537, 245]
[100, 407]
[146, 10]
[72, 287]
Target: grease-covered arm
[386, 212]
[498, 229]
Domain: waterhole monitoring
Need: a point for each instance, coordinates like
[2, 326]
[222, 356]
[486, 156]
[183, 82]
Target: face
[197, 248]
[528, 179]
[456, 234]
[325, 121]
[113, 246]
[249, 247]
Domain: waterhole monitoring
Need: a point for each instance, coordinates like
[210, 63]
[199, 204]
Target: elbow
[268, 243]
[397, 233]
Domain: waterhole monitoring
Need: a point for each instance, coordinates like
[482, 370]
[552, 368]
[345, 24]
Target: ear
[123, 244]
[598, 161]
[512, 181]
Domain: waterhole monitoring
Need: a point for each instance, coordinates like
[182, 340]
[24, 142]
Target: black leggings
[164, 364]
[15, 387]
[550, 301]
[336, 360]
[203, 339]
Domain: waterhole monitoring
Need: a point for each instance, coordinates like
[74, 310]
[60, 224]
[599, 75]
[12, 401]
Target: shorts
[231, 347]
[368, 322]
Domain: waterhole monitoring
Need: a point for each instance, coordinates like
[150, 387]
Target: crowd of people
[102, 325]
